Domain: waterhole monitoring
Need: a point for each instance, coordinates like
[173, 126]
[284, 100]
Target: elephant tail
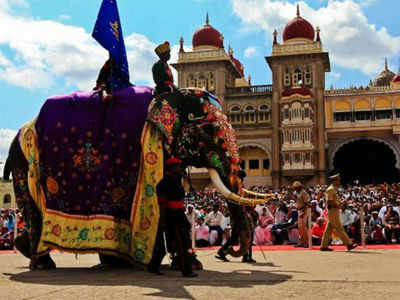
[7, 169]
[15, 159]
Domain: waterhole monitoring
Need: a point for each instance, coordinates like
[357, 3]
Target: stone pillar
[276, 144]
[320, 123]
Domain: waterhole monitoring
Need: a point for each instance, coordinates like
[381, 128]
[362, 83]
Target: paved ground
[364, 274]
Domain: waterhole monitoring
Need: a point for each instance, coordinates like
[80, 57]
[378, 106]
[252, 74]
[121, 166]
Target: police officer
[302, 203]
[162, 74]
[173, 221]
[334, 223]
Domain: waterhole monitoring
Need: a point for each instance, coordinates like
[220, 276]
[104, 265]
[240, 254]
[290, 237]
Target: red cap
[173, 161]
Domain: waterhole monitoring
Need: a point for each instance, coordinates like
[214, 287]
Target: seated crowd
[277, 219]
[7, 227]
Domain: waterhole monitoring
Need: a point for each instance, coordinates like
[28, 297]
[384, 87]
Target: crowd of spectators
[11, 222]
[277, 219]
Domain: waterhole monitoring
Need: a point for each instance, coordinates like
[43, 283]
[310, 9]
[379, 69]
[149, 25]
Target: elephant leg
[113, 261]
[44, 262]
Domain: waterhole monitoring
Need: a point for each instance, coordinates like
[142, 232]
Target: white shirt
[346, 217]
[226, 222]
[382, 212]
[214, 219]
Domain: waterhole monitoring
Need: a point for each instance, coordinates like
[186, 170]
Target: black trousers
[233, 240]
[249, 255]
[177, 232]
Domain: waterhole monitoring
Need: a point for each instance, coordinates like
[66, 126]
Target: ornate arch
[392, 145]
[257, 145]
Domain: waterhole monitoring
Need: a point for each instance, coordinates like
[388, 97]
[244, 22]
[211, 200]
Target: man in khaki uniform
[302, 203]
[334, 223]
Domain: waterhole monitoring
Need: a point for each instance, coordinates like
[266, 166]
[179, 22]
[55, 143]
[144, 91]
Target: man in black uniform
[173, 221]
[234, 238]
[162, 74]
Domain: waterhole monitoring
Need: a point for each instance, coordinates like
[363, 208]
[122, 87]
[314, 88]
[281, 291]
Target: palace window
[297, 158]
[243, 164]
[286, 81]
[235, 115]
[308, 80]
[249, 116]
[211, 86]
[254, 164]
[307, 113]
[286, 114]
[266, 164]
[398, 113]
[7, 199]
[386, 114]
[342, 116]
[308, 157]
[192, 81]
[363, 115]
[287, 158]
[263, 114]
[297, 77]
[202, 82]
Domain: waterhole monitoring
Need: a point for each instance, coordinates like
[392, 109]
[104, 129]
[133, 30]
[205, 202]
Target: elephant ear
[164, 115]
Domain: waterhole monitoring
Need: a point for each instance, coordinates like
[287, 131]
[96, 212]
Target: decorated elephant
[85, 171]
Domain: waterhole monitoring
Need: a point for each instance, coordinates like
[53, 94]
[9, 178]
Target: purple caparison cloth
[90, 151]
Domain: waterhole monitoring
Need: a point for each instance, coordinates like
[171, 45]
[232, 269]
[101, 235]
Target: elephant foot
[44, 262]
[109, 261]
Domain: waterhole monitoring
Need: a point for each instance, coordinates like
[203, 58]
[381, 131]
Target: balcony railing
[249, 90]
[360, 90]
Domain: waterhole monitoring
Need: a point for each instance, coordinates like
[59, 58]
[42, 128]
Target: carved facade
[292, 128]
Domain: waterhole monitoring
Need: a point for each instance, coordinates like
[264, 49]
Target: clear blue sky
[31, 70]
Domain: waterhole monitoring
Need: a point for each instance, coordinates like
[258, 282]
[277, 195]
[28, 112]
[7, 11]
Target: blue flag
[108, 32]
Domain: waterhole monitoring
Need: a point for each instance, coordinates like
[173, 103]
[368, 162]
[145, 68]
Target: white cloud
[351, 40]
[6, 137]
[251, 52]
[46, 51]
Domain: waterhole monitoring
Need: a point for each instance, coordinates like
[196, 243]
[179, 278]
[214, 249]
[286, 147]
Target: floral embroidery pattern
[117, 194]
[109, 234]
[149, 190]
[87, 159]
[83, 235]
[151, 158]
[165, 118]
[56, 230]
[52, 185]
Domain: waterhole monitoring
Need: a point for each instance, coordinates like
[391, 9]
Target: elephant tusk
[265, 196]
[216, 180]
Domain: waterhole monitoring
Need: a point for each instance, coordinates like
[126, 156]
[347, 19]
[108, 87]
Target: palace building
[294, 128]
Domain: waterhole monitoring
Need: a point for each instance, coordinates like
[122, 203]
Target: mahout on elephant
[85, 172]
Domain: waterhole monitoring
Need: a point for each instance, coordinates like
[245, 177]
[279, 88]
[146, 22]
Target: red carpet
[285, 248]
[292, 248]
